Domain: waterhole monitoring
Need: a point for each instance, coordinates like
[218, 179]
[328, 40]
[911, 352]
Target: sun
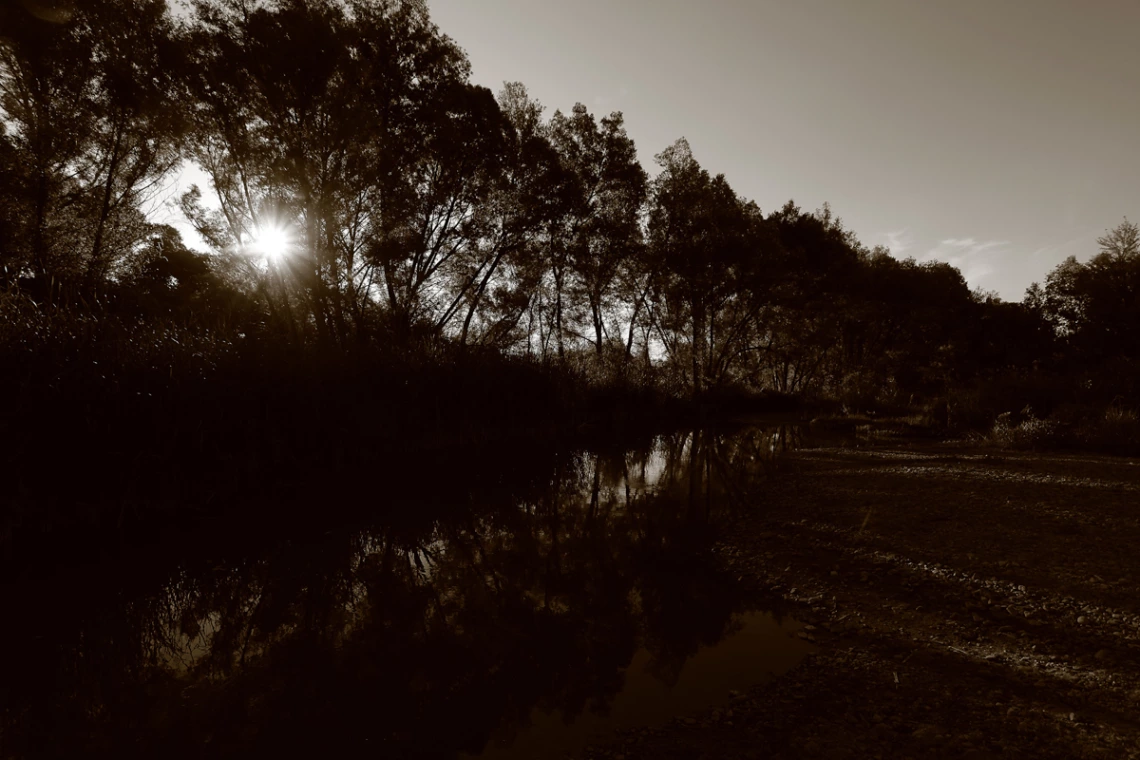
[272, 241]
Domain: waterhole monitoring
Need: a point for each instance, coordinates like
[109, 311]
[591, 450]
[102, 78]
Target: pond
[489, 606]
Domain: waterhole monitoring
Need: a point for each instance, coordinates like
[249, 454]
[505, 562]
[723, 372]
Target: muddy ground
[966, 602]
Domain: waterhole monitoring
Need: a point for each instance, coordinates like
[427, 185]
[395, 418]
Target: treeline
[426, 216]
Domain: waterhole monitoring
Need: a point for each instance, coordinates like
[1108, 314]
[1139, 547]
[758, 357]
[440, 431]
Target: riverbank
[108, 449]
[967, 603]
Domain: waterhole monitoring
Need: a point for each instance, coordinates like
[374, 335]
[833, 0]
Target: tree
[355, 126]
[88, 95]
[46, 69]
[1095, 307]
[500, 276]
[273, 127]
[136, 140]
[13, 212]
[164, 279]
[602, 231]
[443, 192]
[1122, 241]
[699, 240]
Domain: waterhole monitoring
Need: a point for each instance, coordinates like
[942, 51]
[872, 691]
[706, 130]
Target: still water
[498, 607]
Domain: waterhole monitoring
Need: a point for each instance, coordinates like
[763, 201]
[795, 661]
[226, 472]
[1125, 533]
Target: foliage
[1027, 431]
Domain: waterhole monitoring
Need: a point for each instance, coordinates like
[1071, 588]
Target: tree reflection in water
[422, 634]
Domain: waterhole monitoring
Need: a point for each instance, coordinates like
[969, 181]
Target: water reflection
[756, 647]
[577, 590]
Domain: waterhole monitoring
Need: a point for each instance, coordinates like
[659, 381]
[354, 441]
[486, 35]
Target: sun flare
[272, 241]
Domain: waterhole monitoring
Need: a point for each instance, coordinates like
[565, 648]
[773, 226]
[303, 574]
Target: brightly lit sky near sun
[999, 136]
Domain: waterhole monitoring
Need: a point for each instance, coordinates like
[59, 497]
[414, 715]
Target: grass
[1115, 429]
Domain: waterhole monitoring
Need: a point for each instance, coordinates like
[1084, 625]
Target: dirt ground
[966, 602]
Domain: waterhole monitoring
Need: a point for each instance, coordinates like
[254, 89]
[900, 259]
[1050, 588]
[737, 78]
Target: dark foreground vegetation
[400, 261]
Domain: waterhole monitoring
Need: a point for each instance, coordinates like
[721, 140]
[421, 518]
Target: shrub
[1117, 429]
[1025, 430]
[977, 406]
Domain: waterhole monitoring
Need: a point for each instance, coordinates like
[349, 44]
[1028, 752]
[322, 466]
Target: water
[759, 648]
[512, 604]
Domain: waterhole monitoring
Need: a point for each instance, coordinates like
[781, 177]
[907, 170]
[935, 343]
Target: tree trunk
[558, 314]
[95, 265]
[479, 294]
[698, 319]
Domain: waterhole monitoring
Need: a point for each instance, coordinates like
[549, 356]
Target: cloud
[975, 259]
[897, 241]
[1078, 246]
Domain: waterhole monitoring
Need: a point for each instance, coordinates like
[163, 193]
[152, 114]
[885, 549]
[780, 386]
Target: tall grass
[1115, 429]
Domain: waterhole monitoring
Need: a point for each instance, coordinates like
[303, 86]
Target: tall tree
[500, 277]
[272, 129]
[602, 230]
[46, 69]
[1122, 241]
[1095, 306]
[87, 94]
[699, 239]
[354, 125]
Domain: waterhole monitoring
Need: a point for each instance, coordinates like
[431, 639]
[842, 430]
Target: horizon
[1021, 162]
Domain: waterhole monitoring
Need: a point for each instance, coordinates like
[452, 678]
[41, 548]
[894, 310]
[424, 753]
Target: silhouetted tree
[1122, 241]
[698, 236]
[1095, 306]
[367, 142]
[500, 276]
[87, 93]
[601, 231]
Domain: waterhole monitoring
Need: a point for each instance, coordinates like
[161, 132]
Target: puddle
[761, 649]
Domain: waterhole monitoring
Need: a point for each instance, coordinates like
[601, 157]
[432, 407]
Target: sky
[997, 135]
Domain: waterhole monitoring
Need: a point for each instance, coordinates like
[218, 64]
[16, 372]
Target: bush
[1117, 430]
[977, 407]
[1028, 431]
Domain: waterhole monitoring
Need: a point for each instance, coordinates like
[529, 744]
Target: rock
[1081, 619]
[1103, 655]
[689, 721]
